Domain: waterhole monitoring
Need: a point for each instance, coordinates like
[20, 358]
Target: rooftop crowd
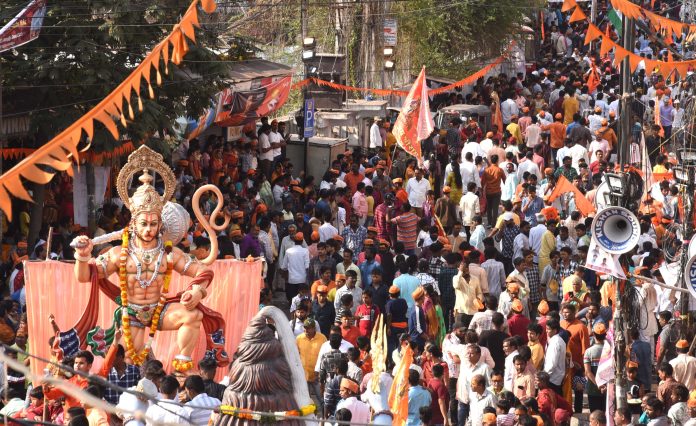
[468, 257]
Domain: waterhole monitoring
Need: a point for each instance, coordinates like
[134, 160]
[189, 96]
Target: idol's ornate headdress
[145, 198]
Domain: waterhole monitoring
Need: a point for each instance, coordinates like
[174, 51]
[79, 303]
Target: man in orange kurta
[83, 364]
[577, 344]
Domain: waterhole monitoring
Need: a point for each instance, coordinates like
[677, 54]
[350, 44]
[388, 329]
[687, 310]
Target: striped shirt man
[198, 416]
[407, 229]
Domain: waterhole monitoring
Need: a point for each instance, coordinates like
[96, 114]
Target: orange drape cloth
[51, 288]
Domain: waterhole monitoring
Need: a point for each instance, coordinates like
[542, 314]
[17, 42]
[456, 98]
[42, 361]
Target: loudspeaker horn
[616, 230]
[690, 276]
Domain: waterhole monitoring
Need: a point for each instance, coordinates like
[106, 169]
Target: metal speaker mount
[616, 230]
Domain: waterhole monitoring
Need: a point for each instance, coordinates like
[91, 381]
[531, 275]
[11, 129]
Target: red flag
[414, 122]
[541, 19]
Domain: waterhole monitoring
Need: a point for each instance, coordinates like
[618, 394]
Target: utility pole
[626, 95]
[623, 154]
[303, 18]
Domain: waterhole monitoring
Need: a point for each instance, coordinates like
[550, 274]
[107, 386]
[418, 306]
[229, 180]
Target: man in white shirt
[469, 206]
[599, 144]
[577, 152]
[417, 188]
[326, 348]
[295, 263]
[469, 173]
[555, 355]
[474, 148]
[487, 144]
[479, 399]
[164, 411]
[266, 151]
[521, 241]
[277, 141]
[509, 108]
[595, 120]
[528, 165]
[684, 365]
[359, 410]
[475, 367]
[535, 235]
[375, 135]
[510, 346]
[327, 231]
[532, 134]
[204, 404]
[349, 288]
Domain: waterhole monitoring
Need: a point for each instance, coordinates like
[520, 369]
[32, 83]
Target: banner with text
[24, 27]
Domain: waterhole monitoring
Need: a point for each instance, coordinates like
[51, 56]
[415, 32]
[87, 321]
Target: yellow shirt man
[309, 351]
[466, 294]
[570, 107]
[537, 355]
[515, 131]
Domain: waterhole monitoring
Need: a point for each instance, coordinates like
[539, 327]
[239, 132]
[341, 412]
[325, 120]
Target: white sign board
[390, 32]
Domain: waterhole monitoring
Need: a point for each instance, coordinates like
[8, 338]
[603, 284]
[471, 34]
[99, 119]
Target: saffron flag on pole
[398, 394]
[24, 27]
[415, 122]
[564, 186]
[592, 79]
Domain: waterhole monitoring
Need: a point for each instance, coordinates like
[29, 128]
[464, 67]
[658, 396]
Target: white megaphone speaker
[616, 230]
[690, 276]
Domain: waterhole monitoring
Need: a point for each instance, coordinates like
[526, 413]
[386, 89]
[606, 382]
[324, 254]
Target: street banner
[241, 107]
[415, 122]
[390, 34]
[24, 27]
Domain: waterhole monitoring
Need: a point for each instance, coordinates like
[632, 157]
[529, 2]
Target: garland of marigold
[139, 358]
[246, 414]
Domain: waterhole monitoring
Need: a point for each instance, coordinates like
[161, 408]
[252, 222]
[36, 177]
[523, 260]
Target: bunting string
[388, 92]
[58, 153]
[92, 157]
[666, 26]
[665, 68]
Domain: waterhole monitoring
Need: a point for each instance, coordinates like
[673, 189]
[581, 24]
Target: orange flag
[398, 394]
[563, 186]
[414, 122]
[440, 229]
[592, 79]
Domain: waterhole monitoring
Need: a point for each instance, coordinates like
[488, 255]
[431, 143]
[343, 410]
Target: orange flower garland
[139, 358]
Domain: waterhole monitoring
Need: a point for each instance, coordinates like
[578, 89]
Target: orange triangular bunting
[666, 69]
[650, 66]
[619, 54]
[682, 68]
[568, 5]
[634, 60]
[592, 33]
[607, 45]
[578, 15]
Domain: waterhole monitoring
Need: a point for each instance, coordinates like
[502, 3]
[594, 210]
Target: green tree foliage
[87, 47]
[447, 37]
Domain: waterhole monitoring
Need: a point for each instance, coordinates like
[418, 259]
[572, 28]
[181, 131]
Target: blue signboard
[309, 118]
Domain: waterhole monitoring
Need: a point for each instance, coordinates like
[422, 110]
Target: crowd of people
[472, 258]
